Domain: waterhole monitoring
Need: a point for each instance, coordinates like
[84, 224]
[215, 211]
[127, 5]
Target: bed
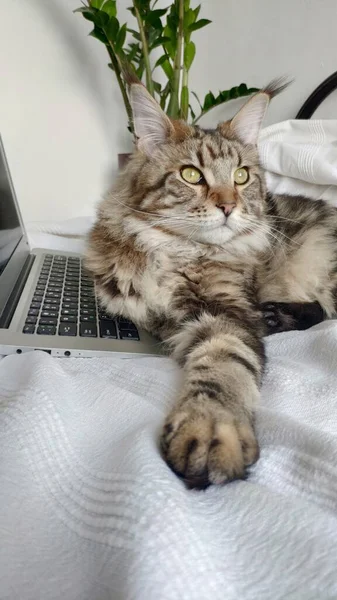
[89, 511]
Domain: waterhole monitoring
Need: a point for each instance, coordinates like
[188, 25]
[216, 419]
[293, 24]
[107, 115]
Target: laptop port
[42, 350]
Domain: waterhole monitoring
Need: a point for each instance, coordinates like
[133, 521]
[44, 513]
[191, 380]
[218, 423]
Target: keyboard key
[88, 319]
[35, 305]
[28, 329]
[87, 283]
[88, 311]
[70, 288]
[56, 295]
[48, 321]
[48, 256]
[53, 286]
[37, 298]
[43, 279]
[70, 297]
[127, 326]
[57, 271]
[52, 302]
[87, 330]
[51, 314]
[46, 330]
[55, 279]
[48, 306]
[69, 305]
[60, 258]
[104, 316]
[129, 335]
[33, 312]
[108, 329]
[71, 279]
[87, 293]
[31, 320]
[40, 287]
[68, 329]
[69, 319]
[69, 311]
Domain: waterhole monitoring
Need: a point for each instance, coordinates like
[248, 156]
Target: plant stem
[122, 87]
[148, 72]
[173, 107]
[183, 104]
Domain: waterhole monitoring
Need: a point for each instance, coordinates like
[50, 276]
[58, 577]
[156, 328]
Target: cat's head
[206, 185]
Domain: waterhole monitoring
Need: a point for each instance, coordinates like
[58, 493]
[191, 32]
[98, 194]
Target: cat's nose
[227, 208]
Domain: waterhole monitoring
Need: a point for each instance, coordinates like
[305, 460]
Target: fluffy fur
[210, 269]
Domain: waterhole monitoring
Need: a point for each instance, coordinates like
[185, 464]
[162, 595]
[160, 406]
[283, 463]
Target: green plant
[168, 29]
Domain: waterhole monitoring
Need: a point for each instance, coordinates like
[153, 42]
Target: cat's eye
[241, 176]
[191, 175]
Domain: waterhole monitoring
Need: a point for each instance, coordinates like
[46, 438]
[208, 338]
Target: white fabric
[300, 157]
[89, 511]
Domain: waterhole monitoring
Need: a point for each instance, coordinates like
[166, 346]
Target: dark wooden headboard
[317, 97]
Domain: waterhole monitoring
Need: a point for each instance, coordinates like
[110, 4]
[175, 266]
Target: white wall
[61, 116]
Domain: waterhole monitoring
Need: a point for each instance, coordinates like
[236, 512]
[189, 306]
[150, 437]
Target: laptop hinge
[14, 298]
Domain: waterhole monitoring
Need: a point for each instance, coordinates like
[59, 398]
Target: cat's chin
[217, 235]
[241, 241]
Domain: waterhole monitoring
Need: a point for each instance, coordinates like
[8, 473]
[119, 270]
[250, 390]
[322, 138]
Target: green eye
[241, 176]
[191, 175]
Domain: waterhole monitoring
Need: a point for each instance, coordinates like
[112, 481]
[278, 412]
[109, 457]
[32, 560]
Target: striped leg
[208, 437]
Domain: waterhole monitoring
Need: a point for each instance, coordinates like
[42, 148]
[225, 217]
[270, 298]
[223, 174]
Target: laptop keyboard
[65, 304]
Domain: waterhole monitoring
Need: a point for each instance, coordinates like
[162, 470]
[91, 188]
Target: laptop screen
[11, 231]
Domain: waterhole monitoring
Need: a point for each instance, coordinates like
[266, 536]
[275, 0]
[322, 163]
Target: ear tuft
[152, 127]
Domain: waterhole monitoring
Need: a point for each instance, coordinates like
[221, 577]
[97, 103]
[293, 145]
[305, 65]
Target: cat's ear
[152, 126]
[247, 122]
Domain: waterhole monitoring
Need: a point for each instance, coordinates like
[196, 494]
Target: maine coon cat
[190, 246]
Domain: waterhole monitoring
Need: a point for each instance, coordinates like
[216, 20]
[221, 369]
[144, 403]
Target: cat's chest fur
[187, 280]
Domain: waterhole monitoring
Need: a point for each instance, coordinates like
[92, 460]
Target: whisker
[144, 212]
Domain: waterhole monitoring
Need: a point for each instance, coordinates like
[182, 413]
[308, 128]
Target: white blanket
[89, 511]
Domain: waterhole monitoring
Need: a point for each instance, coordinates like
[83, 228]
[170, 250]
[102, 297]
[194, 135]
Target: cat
[190, 245]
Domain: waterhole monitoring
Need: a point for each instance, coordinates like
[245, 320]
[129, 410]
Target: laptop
[47, 299]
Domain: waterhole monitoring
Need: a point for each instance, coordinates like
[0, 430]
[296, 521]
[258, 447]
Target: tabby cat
[191, 246]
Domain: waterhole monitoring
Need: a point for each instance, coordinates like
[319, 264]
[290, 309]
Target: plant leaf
[189, 18]
[112, 29]
[120, 39]
[101, 19]
[110, 8]
[88, 13]
[161, 60]
[192, 112]
[197, 99]
[189, 54]
[99, 35]
[199, 24]
[157, 86]
[159, 42]
[209, 101]
[96, 3]
[165, 64]
[197, 11]
[135, 34]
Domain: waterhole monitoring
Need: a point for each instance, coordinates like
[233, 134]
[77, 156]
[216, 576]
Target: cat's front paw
[205, 444]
